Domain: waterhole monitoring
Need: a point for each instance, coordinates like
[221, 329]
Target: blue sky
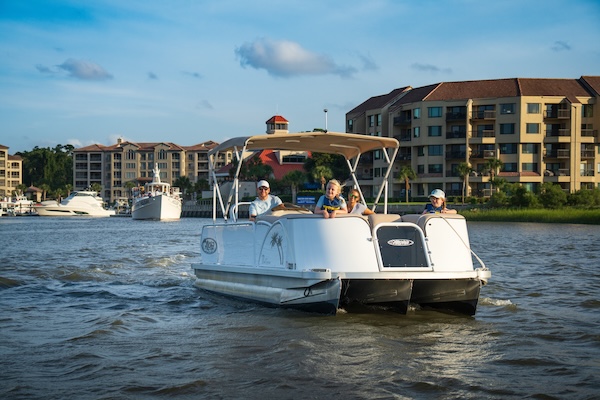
[188, 71]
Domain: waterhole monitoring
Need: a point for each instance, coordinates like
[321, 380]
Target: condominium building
[542, 130]
[114, 166]
[11, 172]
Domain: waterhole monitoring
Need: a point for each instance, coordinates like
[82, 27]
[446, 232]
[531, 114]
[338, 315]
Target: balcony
[489, 154]
[404, 157]
[558, 153]
[586, 172]
[484, 114]
[589, 133]
[403, 137]
[486, 133]
[456, 155]
[558, 132]
[456, 135]
[402, 120]
[459, 116]
[587, 153]
[557, 114]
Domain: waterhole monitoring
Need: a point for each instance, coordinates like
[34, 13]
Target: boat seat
[375, 219]
[421, 219]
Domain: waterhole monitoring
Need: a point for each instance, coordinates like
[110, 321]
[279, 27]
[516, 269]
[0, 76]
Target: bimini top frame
[349, 145]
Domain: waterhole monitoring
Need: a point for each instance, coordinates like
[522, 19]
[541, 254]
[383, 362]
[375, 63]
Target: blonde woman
[331, 203]
[354, 204]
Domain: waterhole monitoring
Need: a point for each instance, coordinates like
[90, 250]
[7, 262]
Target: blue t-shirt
[429, 208]
[330, 205]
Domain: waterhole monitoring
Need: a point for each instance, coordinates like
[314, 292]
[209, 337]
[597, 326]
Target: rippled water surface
[106, 309]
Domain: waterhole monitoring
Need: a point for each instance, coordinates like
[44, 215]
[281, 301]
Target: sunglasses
[352, 196]
[263, 188]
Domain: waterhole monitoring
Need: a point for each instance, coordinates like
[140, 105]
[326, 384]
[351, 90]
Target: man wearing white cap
[264, 202]
[438, 203]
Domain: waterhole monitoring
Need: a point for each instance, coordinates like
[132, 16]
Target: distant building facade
[11, 172]
[114, 166]
[542, 130]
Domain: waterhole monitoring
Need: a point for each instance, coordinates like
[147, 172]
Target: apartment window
[532, 128]
[420, 151]
[587, 111]
[434, 130]
[371, 120]
[530, 148]
[420, 169]
[434, 112]
[162, 165]
[175, 165]
[436, 150]
[509, 167]
[117, 165]
[162, 154]
[350, 125]
[130, 165]
[508, 108]
[417, 131]
[130, 175]
[508, 148]
[130, 154]
[416, 113]
[530, 167]
[378, 119]
[142, 165]
[533, 108]
[435, 168]
[507, 129]
[117, 156]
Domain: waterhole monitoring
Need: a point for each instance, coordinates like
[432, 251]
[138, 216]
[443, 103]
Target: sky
[187, 71]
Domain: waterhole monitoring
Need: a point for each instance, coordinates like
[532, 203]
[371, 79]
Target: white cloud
[85, 70]
[286, 59]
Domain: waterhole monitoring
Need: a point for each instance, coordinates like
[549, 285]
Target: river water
[106, 309]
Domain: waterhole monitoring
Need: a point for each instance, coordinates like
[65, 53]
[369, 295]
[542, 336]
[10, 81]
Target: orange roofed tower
[277, 125]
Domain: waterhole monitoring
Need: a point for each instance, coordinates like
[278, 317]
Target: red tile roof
[276, 118]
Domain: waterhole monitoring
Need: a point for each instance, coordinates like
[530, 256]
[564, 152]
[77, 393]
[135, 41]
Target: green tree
[96, 187]
[406, 174]
[492, 166]
[322, 174]
[464, 170]
[294, 179]
[45, 189]
[334, 162]
[129, 185]
[552, 195]
[184, 183]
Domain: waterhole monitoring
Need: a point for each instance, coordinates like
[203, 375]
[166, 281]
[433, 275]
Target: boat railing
[233, 212]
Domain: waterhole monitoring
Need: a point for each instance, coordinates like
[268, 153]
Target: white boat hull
[62, 211]
[161, 207]
[81, 203]
[380, 261]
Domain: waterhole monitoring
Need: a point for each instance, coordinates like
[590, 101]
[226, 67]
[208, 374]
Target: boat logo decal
[400, 242]
[209, 245]
[277, 240]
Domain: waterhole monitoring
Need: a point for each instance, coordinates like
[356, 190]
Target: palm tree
[322, 174]
[96, 187]
[45, 189]
[493, 165]
[294, 179]
[464, 169]
[130, 185]
[406, 174]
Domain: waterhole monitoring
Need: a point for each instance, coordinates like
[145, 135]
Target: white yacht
[293, 258]
[156, 200]
[79, 203]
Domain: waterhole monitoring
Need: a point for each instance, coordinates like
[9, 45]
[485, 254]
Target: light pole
[325, 111]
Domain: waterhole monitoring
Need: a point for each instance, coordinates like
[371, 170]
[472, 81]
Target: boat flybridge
[290, 257]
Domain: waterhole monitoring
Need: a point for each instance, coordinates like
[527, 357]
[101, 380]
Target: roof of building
[593, 82]
[275, 119]
[376, 102]
[268, 157]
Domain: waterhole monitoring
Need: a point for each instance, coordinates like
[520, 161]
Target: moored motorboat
[156, 200]
[79, 203]
[293, 258]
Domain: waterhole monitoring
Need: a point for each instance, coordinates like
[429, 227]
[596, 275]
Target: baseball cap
[262, 184]
[438, 193]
